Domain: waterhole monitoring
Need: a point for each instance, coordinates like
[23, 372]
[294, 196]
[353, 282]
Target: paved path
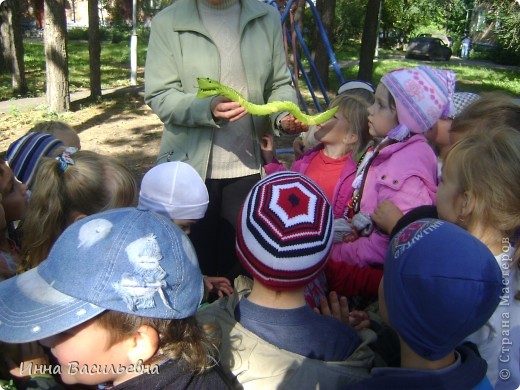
[26, 104]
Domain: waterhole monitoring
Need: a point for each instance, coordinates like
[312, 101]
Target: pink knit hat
[422, 95]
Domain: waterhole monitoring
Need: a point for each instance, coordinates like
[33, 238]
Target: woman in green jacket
[239, 43]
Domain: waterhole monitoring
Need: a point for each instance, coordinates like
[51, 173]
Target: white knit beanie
[175, 190]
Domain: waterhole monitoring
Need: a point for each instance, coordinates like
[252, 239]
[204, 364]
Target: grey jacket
[180, 51]
[260, 365]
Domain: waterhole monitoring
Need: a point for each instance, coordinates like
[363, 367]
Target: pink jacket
[342, 192]
[344, 279]
[405, 173]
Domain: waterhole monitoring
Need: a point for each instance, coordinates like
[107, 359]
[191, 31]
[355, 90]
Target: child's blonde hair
[92, 184]
[491, 110]
[182, 339]
[353, 104]
[488, 166]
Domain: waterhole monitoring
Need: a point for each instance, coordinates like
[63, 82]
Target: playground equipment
[290, 43]
[288, 8]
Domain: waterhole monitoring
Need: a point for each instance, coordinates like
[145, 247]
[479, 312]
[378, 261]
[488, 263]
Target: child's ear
[74, 216]
[468, 204]
[145, 343]
[351, 138]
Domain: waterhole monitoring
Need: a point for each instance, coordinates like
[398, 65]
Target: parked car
[428, 47]
[447, 40]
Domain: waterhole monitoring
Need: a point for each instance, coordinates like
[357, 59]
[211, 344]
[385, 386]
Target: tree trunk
[94, 48]
[5, 40]
[299, 15]
[56, 57]
[12, 44]
[326, 9]
[368, 41]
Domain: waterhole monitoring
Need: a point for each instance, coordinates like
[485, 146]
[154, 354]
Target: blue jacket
[470, 374]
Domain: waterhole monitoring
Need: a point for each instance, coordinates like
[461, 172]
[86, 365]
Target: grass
[475, 77]
[116, 69]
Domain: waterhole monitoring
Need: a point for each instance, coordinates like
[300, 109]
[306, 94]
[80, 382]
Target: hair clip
[65, 158]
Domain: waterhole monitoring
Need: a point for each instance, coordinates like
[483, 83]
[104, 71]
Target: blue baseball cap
[126, 260]
[441, 284]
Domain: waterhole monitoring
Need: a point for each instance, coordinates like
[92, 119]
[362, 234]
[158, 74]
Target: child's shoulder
[415, 147]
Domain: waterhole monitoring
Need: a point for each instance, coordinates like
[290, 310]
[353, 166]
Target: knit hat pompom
[284, 232]
[422, 95]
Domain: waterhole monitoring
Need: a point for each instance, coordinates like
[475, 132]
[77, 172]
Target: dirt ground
[120, 125]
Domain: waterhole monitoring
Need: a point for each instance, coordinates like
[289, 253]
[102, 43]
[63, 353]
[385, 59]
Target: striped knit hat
[422, 95]
[284, 232]
[24, 154]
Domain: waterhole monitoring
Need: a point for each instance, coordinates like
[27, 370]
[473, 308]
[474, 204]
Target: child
[68, 188]
[175, 190]
[61, 130]
[121, 313]
[307, 140]
[271, 337]
[439, 134]
[332, 163]
[440, 285]
[482, 115]
[14, 198]
[479, 192]
[332, 166]
[490, 111]
[402, 168]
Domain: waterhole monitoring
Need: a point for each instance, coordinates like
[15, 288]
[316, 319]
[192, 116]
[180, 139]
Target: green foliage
[408, 18]
[509, 32]
[350, 18]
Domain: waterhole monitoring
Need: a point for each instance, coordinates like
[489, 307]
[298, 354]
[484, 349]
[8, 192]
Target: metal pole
[133, 46]
[378, 25]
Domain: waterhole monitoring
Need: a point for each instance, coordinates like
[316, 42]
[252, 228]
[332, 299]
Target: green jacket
[180, 51]
[257, 364]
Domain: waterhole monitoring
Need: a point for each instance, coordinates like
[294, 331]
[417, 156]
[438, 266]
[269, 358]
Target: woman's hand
[226, 110]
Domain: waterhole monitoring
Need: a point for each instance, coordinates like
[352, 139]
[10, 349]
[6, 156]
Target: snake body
[209, 87]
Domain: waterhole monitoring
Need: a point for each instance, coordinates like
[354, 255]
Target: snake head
[208, 87]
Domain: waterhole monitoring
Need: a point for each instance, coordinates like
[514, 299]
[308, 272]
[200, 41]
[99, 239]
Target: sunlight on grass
[115, 67]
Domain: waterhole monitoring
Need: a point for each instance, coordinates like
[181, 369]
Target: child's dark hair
[184, 340]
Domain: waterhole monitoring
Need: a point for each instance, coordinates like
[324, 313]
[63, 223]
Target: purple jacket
[343, 190]
[405, 173]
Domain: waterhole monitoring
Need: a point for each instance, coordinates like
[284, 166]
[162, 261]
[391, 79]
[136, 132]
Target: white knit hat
[175, 190]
